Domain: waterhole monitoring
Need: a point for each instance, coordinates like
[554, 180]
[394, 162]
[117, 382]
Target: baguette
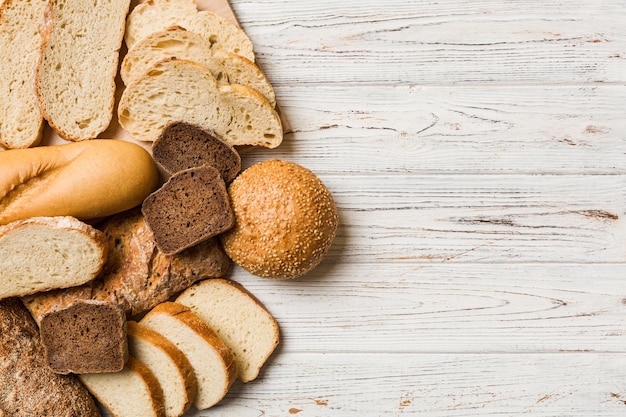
[87, 180]
[75, 77]
[28, 387]
[21, 122]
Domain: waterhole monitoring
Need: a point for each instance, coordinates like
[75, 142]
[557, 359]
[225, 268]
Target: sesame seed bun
[285, 220]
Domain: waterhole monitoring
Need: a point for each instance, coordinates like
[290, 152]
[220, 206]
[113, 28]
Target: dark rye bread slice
[192, 206]
[88, 336]
[183, 145]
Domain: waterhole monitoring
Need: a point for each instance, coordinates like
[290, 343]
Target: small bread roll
[285, 220]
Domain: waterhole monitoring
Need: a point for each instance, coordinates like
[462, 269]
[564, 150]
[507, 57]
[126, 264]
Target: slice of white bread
[131, 392]
[75, 77]
[21, 122]
[178, 42]
[44, 253]
[238, 318]
[184, 91]
[168, 364]
[212, 361]
[157, 15]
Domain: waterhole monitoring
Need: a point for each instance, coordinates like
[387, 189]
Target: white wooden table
[477, 153]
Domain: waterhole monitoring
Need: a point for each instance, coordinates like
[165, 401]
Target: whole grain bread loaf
[28, 387]
[157, 15]
[176, 90]
[21, 122]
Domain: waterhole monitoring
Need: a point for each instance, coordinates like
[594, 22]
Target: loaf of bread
[177, 42]
[132, 392]
[44, 253]
[239, 319]
[183, 91]
[87, 180]
[298, 234]
[21, 122]
[75, 77]
[28, 387]
[210, 358]
[157, 15]
[169, 365]
[183, 146]
[191, 207]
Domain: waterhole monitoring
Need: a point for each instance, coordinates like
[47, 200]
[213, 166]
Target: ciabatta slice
[238, 318]
[21, 22]
[211, 360]
[75, 77]
[183, 91]
[157, 15]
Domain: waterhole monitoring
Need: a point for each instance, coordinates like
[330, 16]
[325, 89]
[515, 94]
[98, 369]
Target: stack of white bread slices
[186, 65]
[188, 352]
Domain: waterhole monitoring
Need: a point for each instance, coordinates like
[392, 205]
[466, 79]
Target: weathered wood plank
[449, 42]
[487, 129]
[408, 307]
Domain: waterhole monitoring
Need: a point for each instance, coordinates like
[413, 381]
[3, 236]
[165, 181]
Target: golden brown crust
[27, 386]
[285, 220]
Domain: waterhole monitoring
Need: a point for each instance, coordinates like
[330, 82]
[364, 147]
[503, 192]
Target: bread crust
[27, 386]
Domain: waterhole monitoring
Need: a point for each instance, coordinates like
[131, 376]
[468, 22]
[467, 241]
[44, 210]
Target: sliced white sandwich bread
[238, 318]
[168, 364]
[178, 42]
[210, 358]
[44, 253]
[132, 392]
[184, 91]
[21, 122]
[157, 15]
[75, 77]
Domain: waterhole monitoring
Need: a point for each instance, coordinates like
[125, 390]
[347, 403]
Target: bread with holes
[177, 42]
[183, 91]
[210, 358]
[238, 318]
[75, 77]
[21, 122]
[157, 15]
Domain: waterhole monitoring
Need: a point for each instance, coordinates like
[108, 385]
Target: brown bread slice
[183, 145]
[28, 387]
[192, 206]
[88, 336]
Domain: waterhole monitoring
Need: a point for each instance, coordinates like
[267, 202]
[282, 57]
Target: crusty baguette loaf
[132, 392]
[44, 253]
[28, 387]
[21, 122]
[211, 360]
[239, 319]
[75, 77]
[183, 91]
[156, 15]
[87, 180]
[183, 44]
[168, 364]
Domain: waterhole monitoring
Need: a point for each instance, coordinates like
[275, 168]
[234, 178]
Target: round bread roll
[285, 220]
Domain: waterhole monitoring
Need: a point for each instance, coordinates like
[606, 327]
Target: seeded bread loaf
[75, 77]
[177, 42]
[212, 361]
[238, 318]
[21, 122]
[168, 364]
[192, 206]
[28, 387]
[183, 146]
[183, 91]
[44, 253]
[131, 392]
[157, 15]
